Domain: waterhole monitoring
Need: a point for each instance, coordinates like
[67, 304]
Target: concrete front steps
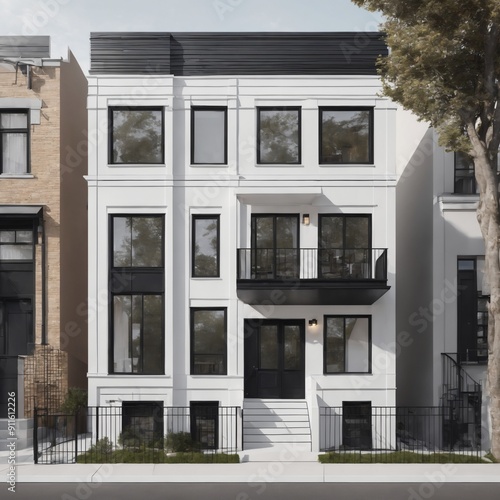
[278, 427]
[23, 433]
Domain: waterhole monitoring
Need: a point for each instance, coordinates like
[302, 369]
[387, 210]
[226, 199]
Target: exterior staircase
[461, 400]
[276, 424]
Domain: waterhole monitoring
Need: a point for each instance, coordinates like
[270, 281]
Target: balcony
[312, 276]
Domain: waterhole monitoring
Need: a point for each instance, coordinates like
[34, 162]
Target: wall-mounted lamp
[306, 219]
[313, 322]
[39, 234]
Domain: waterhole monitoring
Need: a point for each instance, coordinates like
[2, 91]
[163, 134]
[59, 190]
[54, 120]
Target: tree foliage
[444, 66]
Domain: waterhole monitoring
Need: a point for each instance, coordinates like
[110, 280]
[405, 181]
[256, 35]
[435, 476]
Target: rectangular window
[16, 244]
[205, 424]
[138, 334]
[465, 179]
[14, 128]
[205, 254]
[346, 135]
[278, 135]
[357, 425]
[208, 341]
[137, 286]
[142, 424]
[136, 135]
[347, 344]
[209, 135]
[137, 241]
[344, 246]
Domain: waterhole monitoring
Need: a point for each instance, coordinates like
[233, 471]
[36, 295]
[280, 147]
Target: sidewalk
[303, 468]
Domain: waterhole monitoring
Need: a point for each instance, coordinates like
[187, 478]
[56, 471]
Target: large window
[344, 246]
[16, 244]
[346, 135]
[205, 260]
[209, 135]
[136, 135]
[278, 135]
[347, 344]
[137, 285]
[137, 241]
[208, 341]
[14, 142]
[142, 424]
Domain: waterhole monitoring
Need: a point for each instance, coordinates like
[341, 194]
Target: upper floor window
[344, 246]
[137, 241]
[278, 135]
[346, 135]
[347, 344]
[13, 142]
[209, 135]
[205, 242]
[136, 135]
[465, 178]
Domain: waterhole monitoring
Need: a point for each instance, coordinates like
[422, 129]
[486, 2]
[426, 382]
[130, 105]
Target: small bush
[99, 453]
[74, 400]
[180, 442]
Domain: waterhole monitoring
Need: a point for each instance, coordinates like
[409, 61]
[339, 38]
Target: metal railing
[312, 263]
[140, 433]
[378, 431]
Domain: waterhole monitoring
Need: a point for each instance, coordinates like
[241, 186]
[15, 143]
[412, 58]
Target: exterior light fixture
[313, 322]
[306, 219]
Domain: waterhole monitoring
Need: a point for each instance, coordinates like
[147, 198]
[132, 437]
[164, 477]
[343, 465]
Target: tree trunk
[489, 221]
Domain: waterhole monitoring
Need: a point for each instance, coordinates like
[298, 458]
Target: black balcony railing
[141, 433]
[312, 263]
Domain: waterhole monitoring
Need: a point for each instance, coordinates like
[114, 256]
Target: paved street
[245, 491]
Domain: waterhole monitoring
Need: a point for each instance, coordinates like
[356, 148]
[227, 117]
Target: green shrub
[74, 400]
[397, 457]
[179, 442]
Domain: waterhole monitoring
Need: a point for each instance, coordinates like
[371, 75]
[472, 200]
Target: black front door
[16, 329]
[275, 359]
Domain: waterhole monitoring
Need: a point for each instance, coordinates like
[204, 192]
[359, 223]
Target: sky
[70, 22]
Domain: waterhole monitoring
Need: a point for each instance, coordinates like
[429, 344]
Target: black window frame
[370, 343]
[194, 218]
[299, 133]
[371, 148]
[132, 281]
[193, 310]
[460, 184]
[195, 109]
[208, 412]
[111, 109]
[133, 437]
[26, 130]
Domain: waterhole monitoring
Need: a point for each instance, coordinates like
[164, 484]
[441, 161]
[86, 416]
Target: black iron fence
[136, 432]
[379, 431]
[312, 263]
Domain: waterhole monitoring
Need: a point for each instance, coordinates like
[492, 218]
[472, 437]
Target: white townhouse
[242, 230]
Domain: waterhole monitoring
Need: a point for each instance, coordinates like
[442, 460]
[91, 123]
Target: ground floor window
[347, 344]
[138, 334]
[142, 423]
[205, 424]
[208, 341]
[357, 425]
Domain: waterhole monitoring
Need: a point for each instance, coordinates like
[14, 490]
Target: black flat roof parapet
[242, 53]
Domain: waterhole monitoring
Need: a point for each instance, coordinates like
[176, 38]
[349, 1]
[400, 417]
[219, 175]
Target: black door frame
[289, 384]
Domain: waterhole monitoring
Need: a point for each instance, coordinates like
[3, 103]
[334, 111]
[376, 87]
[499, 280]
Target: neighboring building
[242, 217]
[43, 225]
[443, 293]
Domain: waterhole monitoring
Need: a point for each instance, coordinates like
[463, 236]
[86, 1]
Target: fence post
[35, 437]
[76, 434]
[97, 423]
